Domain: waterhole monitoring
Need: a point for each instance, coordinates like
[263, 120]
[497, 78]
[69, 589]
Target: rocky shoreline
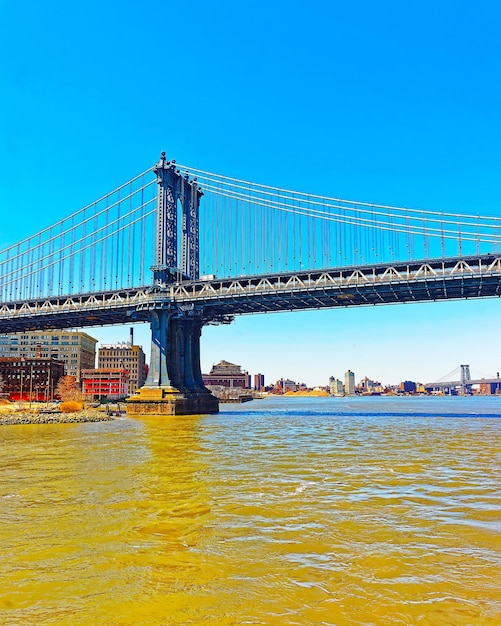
[87, 415]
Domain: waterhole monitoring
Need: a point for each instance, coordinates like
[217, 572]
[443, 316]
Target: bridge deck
[218, 299]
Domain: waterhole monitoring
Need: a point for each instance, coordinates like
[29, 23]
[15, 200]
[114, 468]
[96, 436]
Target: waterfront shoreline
[8, 419]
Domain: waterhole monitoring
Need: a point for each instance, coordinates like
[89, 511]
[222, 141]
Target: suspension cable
[201, 173]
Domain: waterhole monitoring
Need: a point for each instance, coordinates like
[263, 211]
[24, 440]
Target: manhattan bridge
[181, 247]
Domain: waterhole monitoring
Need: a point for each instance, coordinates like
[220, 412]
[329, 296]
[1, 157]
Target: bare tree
[67, 389]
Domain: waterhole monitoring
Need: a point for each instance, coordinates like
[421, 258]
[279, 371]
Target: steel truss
[220, 300]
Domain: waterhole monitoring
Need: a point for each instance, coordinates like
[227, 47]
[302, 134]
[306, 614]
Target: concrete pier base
[174, 385]
[171, 401]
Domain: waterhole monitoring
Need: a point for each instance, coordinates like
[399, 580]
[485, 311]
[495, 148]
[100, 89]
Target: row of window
[30, 346]
[36, 375]
[37, 338]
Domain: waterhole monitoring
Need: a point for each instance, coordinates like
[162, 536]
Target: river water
[362, 511]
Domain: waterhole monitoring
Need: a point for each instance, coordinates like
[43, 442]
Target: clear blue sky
[392, 102]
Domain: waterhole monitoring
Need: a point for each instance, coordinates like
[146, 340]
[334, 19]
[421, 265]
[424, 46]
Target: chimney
[131, 336]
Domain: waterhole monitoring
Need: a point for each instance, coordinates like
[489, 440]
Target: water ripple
[282, 511]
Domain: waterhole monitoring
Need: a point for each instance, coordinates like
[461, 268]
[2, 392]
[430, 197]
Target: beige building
[226, 374]
[124, 356]
[76, 349]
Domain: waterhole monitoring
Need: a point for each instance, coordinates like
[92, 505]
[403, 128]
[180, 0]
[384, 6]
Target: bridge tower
[465, 384]
[174, 385]
[176, 191]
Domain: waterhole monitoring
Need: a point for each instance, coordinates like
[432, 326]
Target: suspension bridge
[460, 379]
[181, 247]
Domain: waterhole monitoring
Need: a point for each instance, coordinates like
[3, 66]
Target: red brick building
[30, 379]
[112, 384]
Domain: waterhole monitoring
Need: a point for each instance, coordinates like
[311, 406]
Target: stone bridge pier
[174, 385]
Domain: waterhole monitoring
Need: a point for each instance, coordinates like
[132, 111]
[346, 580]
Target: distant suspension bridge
[460, 380]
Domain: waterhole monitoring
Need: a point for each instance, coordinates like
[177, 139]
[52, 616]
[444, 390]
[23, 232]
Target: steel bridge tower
[465, 384]
[174, 190]
[174, 385]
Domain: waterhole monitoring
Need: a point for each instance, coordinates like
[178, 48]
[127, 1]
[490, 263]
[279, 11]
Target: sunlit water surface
[280, 511]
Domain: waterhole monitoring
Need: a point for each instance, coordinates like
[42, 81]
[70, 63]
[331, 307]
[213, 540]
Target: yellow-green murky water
[367, 511]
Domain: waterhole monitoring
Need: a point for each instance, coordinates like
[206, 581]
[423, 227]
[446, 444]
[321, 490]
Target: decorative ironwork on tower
[176, 260]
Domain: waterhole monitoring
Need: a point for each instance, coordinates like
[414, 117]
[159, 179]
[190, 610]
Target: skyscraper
[349, 383]
[258, 381]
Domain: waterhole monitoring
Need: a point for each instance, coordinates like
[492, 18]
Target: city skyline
[384, 103]
[213, 351]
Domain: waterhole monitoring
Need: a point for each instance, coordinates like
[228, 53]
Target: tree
[67, 390]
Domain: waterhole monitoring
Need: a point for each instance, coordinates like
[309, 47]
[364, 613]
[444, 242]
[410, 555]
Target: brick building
[225, 374]
[125, 356]
[77, 350]
[112, 384]
[258, 382]
[30, 379]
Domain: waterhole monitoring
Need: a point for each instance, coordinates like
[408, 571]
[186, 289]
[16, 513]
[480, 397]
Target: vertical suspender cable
[94, 256]
[81, 256]
[119, 245]
[425, 238]
[72, 257]
[442, 239]
[130, 246]
[142, 238]
[104, 248]
[477, 237]
[215, 217]
[61, 246]
[300, 238]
